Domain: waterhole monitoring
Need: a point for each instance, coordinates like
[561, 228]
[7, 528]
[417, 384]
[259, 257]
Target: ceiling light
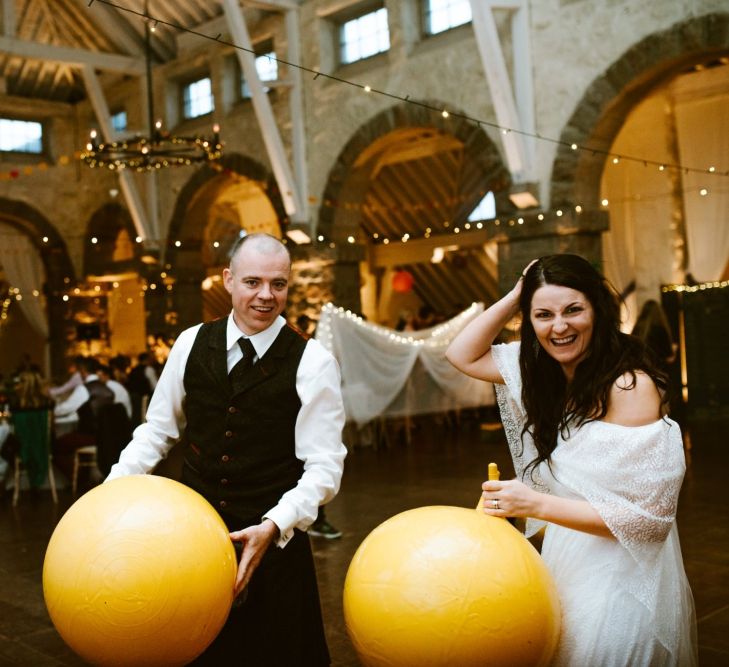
[298, 236]
[524, 195]
[159, 149]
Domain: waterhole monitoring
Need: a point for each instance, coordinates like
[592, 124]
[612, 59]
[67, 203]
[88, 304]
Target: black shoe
[324, 529]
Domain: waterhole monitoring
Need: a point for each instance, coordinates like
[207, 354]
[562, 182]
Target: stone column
[320, 274]
[189, 273]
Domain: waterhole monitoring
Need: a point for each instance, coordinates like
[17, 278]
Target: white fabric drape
[388, 373]
[639, 246]
[618, 243]
[24, 269]
[703, 138]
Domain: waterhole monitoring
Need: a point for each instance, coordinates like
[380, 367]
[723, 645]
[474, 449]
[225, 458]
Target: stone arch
[57, 262]
[342, 186]
[599, 115]
[351, 177]
[190, 259]
[229, 163]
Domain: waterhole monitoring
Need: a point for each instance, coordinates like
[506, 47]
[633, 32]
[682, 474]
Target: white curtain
[639, 248]
[618, 244]
[24, 269]
[703, 138]
[388, 373]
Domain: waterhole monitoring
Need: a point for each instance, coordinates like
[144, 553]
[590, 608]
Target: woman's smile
[563, 320]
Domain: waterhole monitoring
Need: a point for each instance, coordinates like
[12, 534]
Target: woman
[30, 410]
[596, 459]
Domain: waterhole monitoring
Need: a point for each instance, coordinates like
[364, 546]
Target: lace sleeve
[632, 476]
[508, 396]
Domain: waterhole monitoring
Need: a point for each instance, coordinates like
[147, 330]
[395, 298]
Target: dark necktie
[244, 365]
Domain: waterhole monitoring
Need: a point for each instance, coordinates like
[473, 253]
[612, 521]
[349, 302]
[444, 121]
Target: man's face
[258, 283]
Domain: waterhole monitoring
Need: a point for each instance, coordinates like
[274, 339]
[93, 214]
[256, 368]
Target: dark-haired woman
[596, 459]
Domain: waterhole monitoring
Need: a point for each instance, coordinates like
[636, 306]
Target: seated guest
[30, 391]
[121, 395]
[29, 409]
[114, 429]
[74, 380]
[77, 416]
[141, 383]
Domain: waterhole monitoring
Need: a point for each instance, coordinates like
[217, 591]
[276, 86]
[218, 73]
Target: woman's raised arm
[470, 350]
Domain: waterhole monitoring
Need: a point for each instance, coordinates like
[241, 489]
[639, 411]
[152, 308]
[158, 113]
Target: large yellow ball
[450, 587]
[139, 571]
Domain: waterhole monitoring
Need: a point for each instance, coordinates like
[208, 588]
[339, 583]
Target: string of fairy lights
[437, 336]
[616, 158]
[166, 282]
[368, 207]
[441, 205]
[162, 283]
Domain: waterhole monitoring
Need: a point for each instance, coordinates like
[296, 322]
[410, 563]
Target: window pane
[441, 15]
[486, 209]
[267, 68]
[119, 121]
[364, 36]
[198, 98]
[21, 136]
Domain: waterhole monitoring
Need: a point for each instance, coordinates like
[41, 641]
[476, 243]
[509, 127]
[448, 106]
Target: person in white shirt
[258, 411]
[74, 380]
[76, 418]
[65, 412]
[121, 395]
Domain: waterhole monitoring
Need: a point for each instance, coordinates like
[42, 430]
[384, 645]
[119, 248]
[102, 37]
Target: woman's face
[563, 319]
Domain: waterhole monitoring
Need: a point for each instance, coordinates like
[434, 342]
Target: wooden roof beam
[71, 56]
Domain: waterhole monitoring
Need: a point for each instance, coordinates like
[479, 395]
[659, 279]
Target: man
[141, 382]
[74, 380]
[115, 423]
[77, 418]
[121, 395]
[263, 444]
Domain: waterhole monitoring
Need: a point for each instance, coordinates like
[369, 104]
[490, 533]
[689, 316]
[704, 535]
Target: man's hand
[255, 540]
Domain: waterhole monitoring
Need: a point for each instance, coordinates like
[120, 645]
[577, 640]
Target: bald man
[257, 409]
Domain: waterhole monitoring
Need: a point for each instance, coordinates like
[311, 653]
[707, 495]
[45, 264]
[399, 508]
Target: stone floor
[441, 464]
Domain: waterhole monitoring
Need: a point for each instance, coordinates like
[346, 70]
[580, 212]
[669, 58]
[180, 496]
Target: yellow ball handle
[494, 476]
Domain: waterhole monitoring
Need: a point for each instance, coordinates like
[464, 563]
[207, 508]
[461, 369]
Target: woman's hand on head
[516, 290]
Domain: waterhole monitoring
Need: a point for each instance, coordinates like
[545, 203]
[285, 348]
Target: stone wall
[592, 60]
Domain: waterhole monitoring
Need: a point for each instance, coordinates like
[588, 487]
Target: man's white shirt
[317, 431]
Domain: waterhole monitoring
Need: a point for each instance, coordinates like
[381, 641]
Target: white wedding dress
[625, 600]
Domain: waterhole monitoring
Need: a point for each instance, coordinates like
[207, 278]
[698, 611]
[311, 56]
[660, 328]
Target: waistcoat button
[225, 458]
[232, 409]
[223, 503]
[229, 434]
[223, 481]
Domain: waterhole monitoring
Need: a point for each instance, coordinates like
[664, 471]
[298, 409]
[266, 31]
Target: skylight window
[442, 15]
[364, 36]
[21, 136]
[486, 209]
[119, 121]
[197, 98]
[267, 68]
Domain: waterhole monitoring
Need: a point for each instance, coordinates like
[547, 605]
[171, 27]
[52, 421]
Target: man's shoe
[324, 529]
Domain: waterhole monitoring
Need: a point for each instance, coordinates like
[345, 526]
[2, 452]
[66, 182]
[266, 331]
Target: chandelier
[160, 148]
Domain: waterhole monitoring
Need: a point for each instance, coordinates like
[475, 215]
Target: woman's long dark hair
[551, 404]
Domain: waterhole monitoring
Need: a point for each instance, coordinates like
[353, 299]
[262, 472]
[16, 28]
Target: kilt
[278, 623]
